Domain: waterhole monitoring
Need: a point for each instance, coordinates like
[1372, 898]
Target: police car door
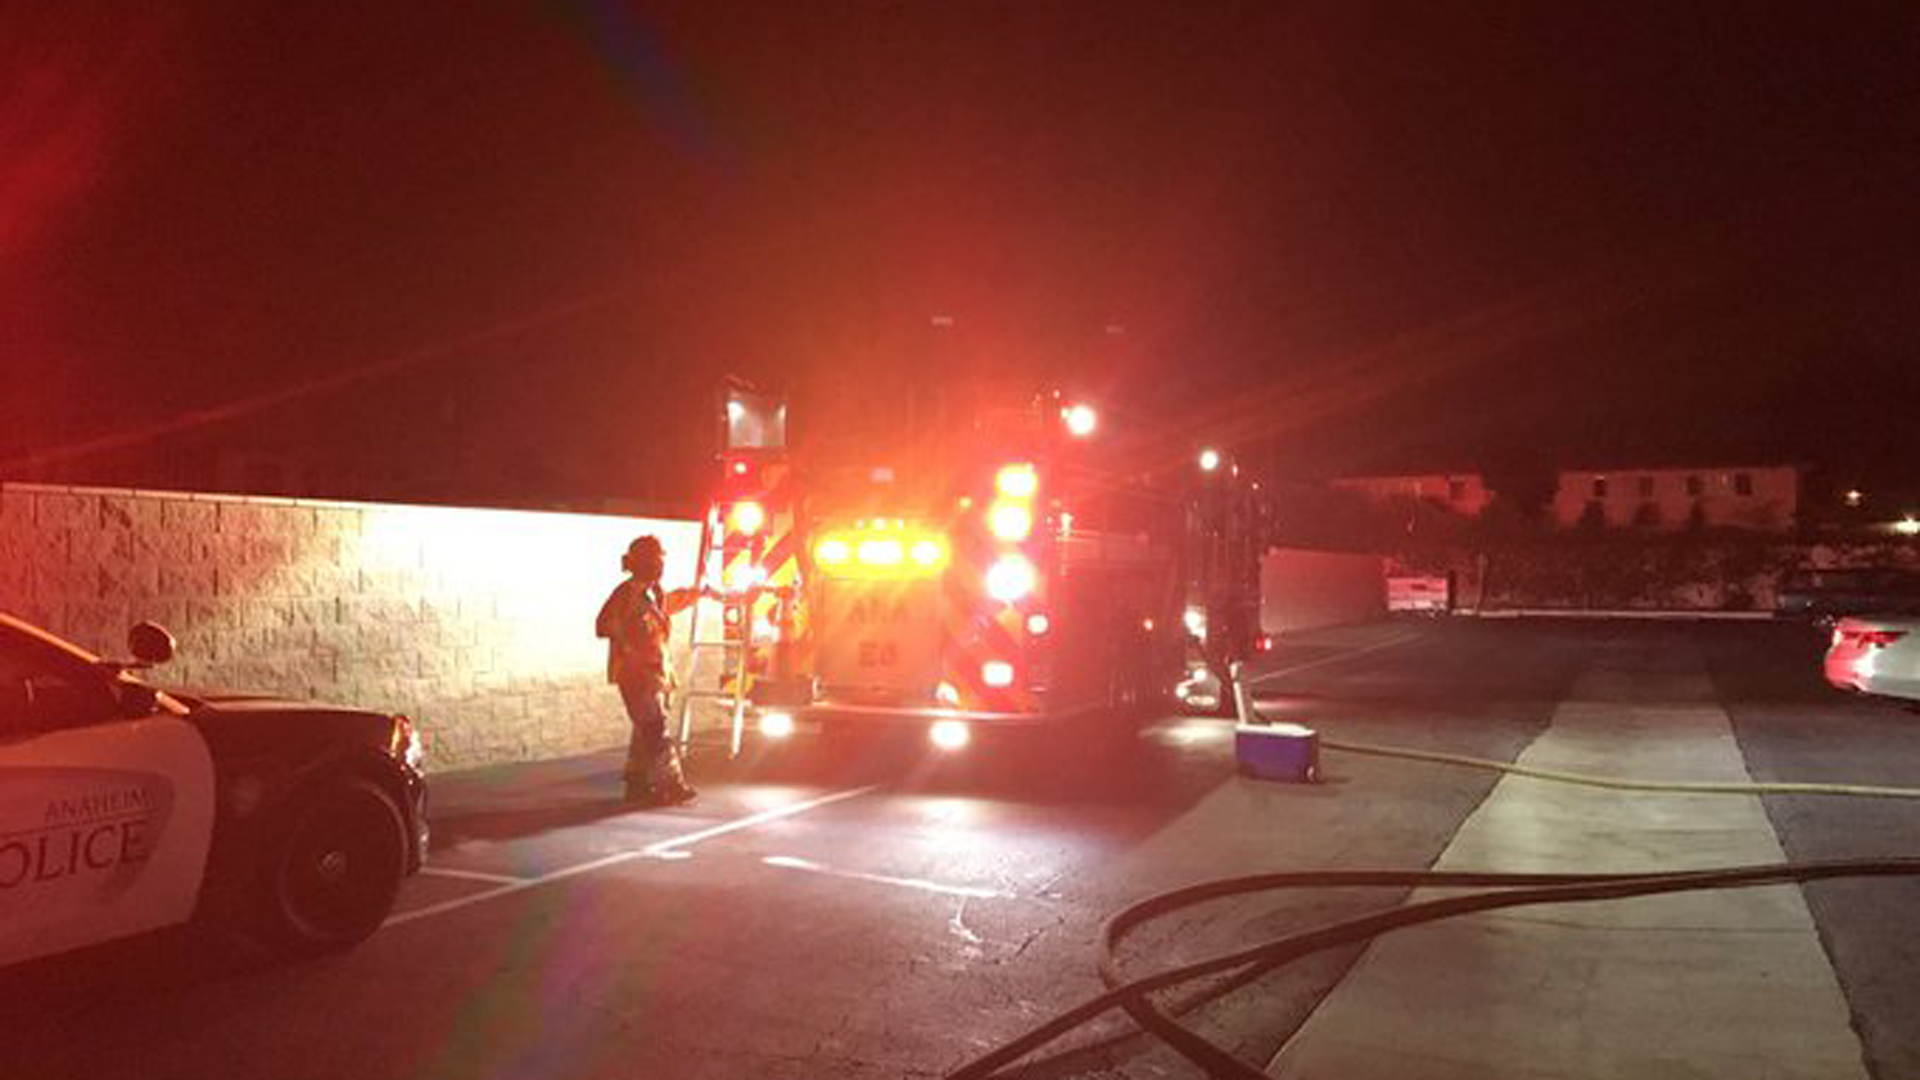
[104, 818]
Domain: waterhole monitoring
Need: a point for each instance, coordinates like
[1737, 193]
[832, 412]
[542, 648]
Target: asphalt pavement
[865, 908]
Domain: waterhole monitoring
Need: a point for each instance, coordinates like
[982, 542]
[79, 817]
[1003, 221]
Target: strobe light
[1010, 579]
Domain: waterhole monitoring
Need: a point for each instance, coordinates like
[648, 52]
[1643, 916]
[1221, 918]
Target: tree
[1525, 480]
[1697, 517]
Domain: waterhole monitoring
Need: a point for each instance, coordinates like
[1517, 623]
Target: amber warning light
[881, 549]
[747, 517]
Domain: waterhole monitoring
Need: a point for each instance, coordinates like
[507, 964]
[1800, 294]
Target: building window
[1456, 490]
[1696, 487]
[1599, 487]
[1646, 487]
[1742, 483]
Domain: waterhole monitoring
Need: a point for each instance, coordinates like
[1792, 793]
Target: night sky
[500, 251]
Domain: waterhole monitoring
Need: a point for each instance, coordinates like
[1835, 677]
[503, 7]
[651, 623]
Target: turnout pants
[652, 761]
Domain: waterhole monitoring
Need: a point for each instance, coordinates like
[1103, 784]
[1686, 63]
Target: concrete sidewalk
[1731, 983]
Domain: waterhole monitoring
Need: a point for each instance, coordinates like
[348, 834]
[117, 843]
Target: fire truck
[993, 573]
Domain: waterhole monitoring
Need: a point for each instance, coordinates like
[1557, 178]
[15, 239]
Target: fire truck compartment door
[880, 635]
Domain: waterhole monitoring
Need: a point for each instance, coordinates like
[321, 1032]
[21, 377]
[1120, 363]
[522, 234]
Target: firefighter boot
[668, 780]
[637, 777]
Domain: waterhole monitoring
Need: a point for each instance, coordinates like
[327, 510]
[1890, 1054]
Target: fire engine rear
[1001, 576]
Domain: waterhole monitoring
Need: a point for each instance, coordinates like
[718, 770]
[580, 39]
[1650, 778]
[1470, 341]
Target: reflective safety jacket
[635, 620]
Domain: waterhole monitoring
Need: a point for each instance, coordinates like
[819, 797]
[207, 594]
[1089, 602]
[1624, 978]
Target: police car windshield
[31, 647]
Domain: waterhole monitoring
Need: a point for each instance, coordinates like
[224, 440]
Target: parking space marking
[789, 862]
[669, 848]
[471, 875]
[1375, 647]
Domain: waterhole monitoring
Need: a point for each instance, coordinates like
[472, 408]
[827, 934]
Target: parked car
[125, 808]
[1877, 655]
[1826, 594]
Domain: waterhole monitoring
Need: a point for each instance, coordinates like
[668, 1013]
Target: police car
[124, 808]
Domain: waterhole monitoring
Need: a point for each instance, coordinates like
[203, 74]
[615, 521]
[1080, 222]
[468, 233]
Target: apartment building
[1765, 497]
[1667, 498]
[1462, 492]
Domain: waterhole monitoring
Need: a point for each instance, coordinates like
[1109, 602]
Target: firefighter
[635, 621]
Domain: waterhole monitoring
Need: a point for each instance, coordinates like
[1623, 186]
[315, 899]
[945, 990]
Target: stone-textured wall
[476, 623]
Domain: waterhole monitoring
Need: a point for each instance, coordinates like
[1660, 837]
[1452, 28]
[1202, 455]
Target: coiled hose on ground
[1511, 890]
[1507, 890]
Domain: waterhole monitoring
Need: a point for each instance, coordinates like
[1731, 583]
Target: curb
[1621, 613]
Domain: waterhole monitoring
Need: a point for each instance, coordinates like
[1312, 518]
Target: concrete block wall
[476, 623]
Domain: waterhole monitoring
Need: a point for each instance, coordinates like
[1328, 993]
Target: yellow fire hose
[1618, 783]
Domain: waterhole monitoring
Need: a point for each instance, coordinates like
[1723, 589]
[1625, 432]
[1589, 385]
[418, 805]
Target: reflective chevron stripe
[972, 635]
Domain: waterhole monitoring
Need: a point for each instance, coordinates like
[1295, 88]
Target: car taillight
[1870, 639]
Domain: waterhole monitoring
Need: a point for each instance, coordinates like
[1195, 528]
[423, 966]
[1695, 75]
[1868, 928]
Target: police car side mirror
[137, 700]
[150, 643]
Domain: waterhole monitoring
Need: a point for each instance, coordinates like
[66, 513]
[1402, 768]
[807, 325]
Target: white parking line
[471, 875]
[663, 848]
[789, 862]
[1375, 647]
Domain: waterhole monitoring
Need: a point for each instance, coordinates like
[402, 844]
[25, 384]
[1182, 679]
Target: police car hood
[235, 701]
[254, 726]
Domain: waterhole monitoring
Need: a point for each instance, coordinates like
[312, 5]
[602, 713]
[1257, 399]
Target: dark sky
[504, 249]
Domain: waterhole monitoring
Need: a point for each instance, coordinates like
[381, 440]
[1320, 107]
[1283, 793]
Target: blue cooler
[1289, 752]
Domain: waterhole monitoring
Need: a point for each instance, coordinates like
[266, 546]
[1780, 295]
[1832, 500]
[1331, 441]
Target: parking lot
[864, 908]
